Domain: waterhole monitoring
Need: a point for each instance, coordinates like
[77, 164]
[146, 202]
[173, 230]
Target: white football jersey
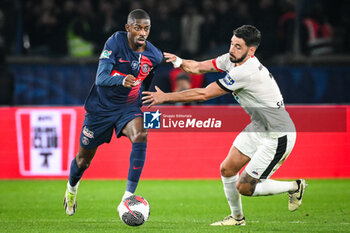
[256, 90]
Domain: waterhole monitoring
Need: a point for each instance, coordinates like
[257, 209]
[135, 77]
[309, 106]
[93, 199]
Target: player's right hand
[169, 57]
[129, 81]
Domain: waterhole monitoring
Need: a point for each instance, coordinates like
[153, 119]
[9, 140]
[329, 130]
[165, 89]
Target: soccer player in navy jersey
[125, 67]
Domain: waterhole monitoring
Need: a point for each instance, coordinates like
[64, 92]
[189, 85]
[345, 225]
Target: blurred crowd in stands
[191, 29]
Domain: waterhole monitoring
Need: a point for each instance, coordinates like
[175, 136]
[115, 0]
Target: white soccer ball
[134, 210]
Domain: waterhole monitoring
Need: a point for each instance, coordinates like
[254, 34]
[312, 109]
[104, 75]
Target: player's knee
[226, 171]
[139, 137]
[244, 189]
[82, 163]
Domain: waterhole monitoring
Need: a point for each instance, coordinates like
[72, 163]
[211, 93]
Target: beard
[238, 60]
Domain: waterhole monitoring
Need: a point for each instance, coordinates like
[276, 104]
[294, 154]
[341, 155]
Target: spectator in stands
[45, 31]
[286, 26]
[105, 23]
[209, 28]
[266, 19]
[182, 82]
[318, 36]
[166, 30]
[6, 78]
[196, 80]
[191, 23]
[80, 34]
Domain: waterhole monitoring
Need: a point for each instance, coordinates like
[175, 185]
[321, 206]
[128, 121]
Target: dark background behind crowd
[188, 28]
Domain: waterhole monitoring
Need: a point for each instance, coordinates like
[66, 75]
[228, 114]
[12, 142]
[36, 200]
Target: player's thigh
[96, 130]
[134, 130]
[242, 150]
[246, 143]
[233, 162]
[131, 125]
[271, 153]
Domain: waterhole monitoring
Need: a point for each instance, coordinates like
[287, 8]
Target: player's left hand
[153, 98]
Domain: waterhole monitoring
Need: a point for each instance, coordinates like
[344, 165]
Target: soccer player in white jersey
[265, 143]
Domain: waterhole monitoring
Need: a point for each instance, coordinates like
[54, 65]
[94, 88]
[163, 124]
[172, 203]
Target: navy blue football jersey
[106, 100]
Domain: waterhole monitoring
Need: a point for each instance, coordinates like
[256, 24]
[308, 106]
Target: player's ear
[252, 50]
[127, 27]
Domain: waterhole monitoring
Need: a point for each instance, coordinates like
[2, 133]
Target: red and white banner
[40, 142]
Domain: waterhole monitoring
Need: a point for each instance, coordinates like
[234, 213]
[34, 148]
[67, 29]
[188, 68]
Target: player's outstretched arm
[190, 66]
[192, 95]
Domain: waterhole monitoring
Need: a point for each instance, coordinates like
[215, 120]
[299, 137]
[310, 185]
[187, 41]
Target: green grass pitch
[176, 206]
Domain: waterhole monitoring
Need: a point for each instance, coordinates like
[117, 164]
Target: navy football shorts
[99, 129]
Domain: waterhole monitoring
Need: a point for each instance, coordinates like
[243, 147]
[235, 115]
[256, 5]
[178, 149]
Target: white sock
[272, 187]
[126, 195]
[73, 189]
[233, 196]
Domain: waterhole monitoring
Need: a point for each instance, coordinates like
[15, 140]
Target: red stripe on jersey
[134, 94]
[115, 73]
[145, 67]
[214, 63]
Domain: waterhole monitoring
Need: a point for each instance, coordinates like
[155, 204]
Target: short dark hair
[250, 34]
[183, 76]
[138, 14]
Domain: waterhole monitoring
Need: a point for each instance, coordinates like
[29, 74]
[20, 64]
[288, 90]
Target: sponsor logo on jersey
[88, 133]
[228, 80]
[134, 65]
[151, 120]
[137, 82]
[123, 61]
[105, 54]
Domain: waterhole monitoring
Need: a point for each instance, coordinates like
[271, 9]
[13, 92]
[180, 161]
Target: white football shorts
[267, 154]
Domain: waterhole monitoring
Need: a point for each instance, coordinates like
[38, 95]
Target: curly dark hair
[250, 34]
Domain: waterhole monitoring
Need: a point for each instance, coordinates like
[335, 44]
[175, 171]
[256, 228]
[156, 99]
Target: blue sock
[137, 160]
[75, 173]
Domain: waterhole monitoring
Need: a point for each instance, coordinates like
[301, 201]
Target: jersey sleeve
[220, 63]
[233, 81]
[110, 50]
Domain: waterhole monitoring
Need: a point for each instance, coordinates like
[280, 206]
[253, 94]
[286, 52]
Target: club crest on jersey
[145, 68]
[105, 54]
[85, 141]
[134, 65]
[228, 80]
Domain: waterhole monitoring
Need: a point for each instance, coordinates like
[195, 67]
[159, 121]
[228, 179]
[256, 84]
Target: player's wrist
[177, 62]
[123, 81]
